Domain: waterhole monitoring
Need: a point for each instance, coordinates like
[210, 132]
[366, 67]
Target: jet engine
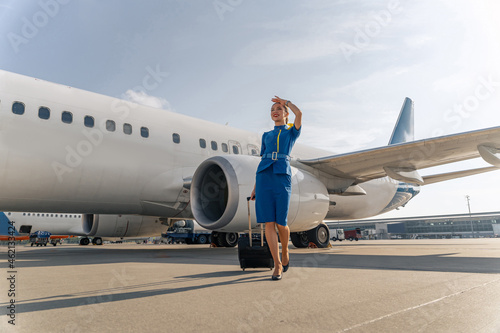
[221, 185]
[100, 225]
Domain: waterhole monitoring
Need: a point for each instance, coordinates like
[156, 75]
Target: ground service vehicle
[187, 231]
[352, 234]
[337, 234]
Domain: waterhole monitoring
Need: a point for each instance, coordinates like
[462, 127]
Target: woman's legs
[284, 232]
[272, 242]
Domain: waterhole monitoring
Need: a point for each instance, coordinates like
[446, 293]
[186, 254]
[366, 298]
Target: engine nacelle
[221, 185]
[100, 225]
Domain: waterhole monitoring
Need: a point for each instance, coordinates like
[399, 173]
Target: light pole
[470, 216]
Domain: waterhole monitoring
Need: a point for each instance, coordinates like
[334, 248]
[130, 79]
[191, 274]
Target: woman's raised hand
[276, 99]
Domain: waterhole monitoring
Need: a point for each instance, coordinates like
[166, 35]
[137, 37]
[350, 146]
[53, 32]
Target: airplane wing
[401, 161]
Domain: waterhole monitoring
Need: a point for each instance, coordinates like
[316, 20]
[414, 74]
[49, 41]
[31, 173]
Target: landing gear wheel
[84, 241]
[97, 241]
[217, 238]
[320, 236]
[231, 239]
[299, 239]
[228, 239]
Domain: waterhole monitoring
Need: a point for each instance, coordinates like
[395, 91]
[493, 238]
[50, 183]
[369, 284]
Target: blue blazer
[280, 142]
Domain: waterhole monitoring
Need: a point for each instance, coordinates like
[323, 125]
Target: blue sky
[347, 64]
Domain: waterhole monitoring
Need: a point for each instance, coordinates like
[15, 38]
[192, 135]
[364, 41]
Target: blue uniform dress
[273, 185]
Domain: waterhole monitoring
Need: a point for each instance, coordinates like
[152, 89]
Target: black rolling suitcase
[254, 252]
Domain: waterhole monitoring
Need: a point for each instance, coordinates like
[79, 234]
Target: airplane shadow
[441, 262]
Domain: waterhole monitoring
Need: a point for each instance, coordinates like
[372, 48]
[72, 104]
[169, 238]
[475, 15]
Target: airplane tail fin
[4, 226]
[403, 131]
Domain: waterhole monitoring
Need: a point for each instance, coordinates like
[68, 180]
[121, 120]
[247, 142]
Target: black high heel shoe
[285, 267]
[278, 277]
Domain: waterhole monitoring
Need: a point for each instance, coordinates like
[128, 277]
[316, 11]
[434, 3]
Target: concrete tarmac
[449, 285]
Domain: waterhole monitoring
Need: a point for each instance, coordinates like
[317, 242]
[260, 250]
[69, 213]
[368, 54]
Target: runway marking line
[417, 306]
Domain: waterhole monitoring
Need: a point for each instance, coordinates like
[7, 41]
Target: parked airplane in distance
[60, 225]
[72, 151]
[9, 232]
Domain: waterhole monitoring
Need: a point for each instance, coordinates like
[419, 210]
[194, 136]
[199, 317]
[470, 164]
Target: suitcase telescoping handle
[249, 222]
[250, 226]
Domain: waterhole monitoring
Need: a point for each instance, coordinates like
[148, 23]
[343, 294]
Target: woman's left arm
[296, 111]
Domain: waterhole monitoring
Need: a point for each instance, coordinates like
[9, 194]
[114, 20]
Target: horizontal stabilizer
[457, 174]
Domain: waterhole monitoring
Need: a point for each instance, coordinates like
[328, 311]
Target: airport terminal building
[441, 226]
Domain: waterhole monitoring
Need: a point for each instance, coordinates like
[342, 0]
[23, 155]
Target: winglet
[403, 131]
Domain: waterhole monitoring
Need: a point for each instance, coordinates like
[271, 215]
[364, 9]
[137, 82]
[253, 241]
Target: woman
[273, 184]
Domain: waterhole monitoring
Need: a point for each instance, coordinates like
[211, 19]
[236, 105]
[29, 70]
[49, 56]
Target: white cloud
[140, 97]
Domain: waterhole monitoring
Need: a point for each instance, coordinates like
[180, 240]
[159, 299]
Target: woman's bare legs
[284, 232]
[272, 242]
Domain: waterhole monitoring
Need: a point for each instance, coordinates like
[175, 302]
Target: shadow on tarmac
[441, 262]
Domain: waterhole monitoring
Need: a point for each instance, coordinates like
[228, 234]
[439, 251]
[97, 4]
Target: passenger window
[214, 145]
[67, 117]
[44, 113]
[176, 138]
[203, 143]
[18, 108]
[224, 147]
[236, 151]
[88, 121]
[110, 125]
[253, 150]
[144, 132]
[127, 129]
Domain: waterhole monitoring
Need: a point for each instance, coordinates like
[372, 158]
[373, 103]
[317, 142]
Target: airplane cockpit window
[110, 125]
[44, 113]
[127, 129]
[67, 117]
[144, 132]
[203, 143]
[18, 108]
[214, 145]
[176, 138]
[88, 121]
[224, 147]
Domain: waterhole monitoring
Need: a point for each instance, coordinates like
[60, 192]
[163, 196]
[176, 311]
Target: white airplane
[108, 227]
[68, 150]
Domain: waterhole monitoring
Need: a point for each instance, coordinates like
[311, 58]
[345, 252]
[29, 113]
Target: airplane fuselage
[68, 150]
